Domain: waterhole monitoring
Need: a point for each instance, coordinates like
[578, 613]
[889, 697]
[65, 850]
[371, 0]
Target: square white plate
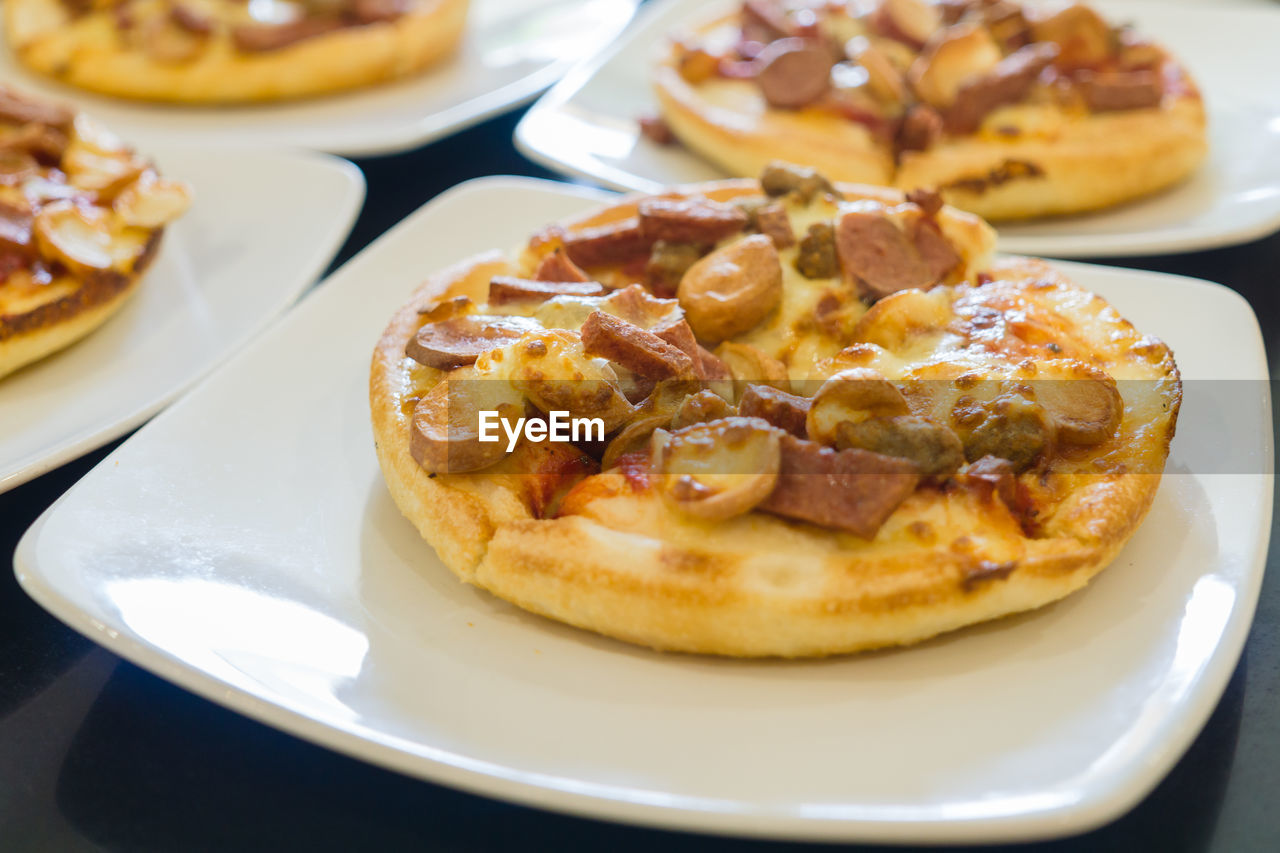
[512, 50]
[244, 546]
[263, 226]
[586, 126]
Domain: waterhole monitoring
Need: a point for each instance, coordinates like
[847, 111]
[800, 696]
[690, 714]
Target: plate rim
[330, 242]
[1098, 806]
[1143, 243]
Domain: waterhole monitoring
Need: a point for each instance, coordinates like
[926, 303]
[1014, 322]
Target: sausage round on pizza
[81, 217]
[1007, 111]
[229, 51]
[816, 419]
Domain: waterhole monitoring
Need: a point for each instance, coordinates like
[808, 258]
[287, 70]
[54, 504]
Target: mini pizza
[815, 419]
[230, 51]
[81, 217]
[1007, 111]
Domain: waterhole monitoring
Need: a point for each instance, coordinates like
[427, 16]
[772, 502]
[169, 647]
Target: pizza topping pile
[74, 200]
[177, 31]
[608, 327]
[913, 71]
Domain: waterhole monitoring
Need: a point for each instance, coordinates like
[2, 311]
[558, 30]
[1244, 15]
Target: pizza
[81, 218]
[816, 419]
[230, 51]
[1006, 110]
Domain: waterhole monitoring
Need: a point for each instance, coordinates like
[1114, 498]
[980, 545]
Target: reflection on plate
[512, 50]
[260, 562]
[586, 127]
[224, 270]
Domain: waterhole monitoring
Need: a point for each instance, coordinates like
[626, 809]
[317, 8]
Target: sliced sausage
[1120, 90]
[878, 256]
[773, 222]
[711, 367]
[732, 289]
[557, 267]
[656, 130]
[376, 11]
[921, 128]
[1084, 411]
[1007, 83]
[853, 490]
[929, 201]
[444, 434]
[640, 351]
[939, 256]
[688, 220]
[504, 289]
[16, 109]
[461, 340]
[612, 244]
[783, 410]
[793, 72]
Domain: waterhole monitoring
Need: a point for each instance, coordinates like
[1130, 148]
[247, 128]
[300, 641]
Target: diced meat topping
[852, 490]
[794, 72]
[1120, 90]
[1007, 83]
[783, 410]
[557, 267]
[773, 222]
[817, 257]
[640, 351]
[607, 245]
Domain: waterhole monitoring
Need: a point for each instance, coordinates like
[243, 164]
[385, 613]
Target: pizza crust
[619, 562]
[87, 52]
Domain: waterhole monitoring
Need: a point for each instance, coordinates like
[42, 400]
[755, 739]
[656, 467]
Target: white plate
[585, 126]
[513, 49]
[244, 546]
[262, 227]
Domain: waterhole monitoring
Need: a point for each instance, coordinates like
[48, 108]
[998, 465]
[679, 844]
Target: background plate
[513, 49]
[263, 226]
[586, 127]
[244, 546]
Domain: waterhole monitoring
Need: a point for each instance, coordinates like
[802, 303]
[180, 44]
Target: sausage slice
[879, 256]
[640, 351]
[558, 267]
[853, 490]
[461, 340]
[612, 244]
[783, 410]
[793, 72]
[699, 221]
[505, 289]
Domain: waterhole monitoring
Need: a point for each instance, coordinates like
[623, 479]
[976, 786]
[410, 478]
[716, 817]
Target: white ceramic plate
[586, 127]
[513, 49]
[262, 227]
[244, 546]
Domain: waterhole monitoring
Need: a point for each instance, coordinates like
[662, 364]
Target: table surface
[98, 754]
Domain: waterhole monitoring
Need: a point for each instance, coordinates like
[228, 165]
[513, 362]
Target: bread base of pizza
[601, 539]
[211, 52]
[1044, 149]
[82, 217]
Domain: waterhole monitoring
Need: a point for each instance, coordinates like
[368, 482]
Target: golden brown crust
[86, 52]
[619, 561]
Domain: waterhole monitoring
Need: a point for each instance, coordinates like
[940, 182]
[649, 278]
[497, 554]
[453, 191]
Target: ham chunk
[851, 490]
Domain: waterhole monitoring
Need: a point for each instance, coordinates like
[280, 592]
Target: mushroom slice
[852, 396]
[1084, 410]
[152, 202]
[78, 237]
[752, 364]
[555, 373]
[717, 470]
[732, 289]
[444, 434]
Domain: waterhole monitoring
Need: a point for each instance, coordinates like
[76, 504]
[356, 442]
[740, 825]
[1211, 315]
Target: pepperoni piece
[461, 340]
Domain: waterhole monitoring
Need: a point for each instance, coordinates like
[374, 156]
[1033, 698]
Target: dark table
[97, 754]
